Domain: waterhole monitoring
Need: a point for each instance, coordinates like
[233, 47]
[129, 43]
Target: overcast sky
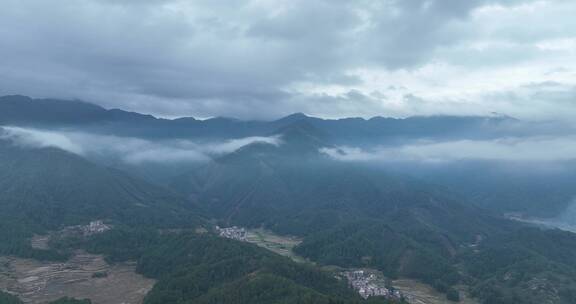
[267, 58]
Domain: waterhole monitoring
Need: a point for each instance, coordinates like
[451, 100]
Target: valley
[267, 239]
[367, 282]
[281, 245]
[419, 293]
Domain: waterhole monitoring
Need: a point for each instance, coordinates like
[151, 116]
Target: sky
[262, 59]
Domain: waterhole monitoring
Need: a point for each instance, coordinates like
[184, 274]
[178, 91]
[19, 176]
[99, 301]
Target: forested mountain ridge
[482, 182]
[17, 109]
[203, 268]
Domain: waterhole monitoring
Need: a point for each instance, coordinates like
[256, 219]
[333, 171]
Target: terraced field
[281, 245]
[419, 293]
[83, 276]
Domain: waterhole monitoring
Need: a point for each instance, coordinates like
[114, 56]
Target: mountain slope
[48, 189]
[294, 180]
[294, 189]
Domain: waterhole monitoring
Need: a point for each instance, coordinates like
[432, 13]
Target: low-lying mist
[509, 149]
[529, 177]
[131, 150]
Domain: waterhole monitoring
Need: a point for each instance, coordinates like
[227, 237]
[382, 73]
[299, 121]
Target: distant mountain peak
[301, 127]
[293, 117]
[185, 119]
[297, 115]
[298, 139]
[221, 119]
[15, 98]
[302, 136]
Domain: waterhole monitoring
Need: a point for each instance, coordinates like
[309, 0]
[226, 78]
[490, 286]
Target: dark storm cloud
[211, 58]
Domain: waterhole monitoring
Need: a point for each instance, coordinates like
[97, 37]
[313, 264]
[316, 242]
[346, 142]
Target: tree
[453, 295]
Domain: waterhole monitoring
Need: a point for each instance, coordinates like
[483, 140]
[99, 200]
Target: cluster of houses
[92, 228]
[368, 284]
[95, 227]
[235, 233]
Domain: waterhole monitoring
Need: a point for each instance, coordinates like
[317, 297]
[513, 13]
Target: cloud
[235, 144]
[128, 150]
[530, 149]
[221, 58]
[39, 139]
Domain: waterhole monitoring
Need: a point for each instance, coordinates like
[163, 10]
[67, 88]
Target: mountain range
[348, 214]
[535, 193]
[52, 113]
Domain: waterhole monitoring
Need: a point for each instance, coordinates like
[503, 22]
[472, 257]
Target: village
[370, 284]
[235, 233]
